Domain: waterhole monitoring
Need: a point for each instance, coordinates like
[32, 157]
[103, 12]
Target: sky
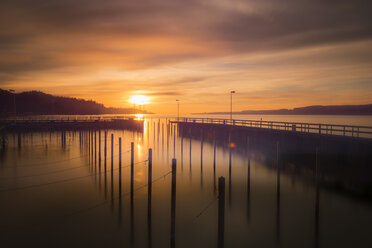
[274, 54]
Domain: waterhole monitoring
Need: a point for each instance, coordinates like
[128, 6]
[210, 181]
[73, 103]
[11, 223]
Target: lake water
[56, 193]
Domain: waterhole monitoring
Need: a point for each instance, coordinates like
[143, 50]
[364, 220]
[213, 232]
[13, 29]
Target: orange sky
[273, 56]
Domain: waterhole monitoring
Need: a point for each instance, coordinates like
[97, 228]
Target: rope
[205, 209]
[96, 205]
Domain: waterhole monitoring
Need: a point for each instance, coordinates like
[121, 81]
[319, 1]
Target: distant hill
[35, 102]
[311, 110]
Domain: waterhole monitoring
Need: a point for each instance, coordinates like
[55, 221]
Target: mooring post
[3, 141]
[105, 152]
[162, 135]
[248, 181]
[214, 152]
[95, 148]
[316, 226]
[131, 193]
[278, 194]
[174, 142]
[201, 150]
[19, 141]
[120, 168]
[149, 194]
[148, 132]
[91, 145]
[99, 150]
[181, 132]
[131, 169]
[158, 127]
[221, 211]
[230, 147]
[173, 204]
[190, 148]
[112, 167]
[214, 163]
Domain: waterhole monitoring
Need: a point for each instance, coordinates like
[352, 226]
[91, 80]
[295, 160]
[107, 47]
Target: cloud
[195, 48]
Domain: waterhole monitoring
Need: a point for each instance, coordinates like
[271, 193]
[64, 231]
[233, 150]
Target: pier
[344, 151]
[310, 129]
[70, 123]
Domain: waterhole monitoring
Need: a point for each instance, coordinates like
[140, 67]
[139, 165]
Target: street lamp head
[177, 100]
[233, 91]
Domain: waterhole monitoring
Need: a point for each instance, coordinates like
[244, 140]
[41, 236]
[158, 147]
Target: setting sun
[139, 100]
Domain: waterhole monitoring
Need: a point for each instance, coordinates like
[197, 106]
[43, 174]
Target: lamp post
[14, 102]
[231, 93]
[178, 109]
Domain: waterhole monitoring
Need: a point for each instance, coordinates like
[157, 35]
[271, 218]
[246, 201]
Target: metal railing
[321, 129]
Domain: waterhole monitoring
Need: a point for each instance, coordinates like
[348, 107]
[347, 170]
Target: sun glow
[139, 99]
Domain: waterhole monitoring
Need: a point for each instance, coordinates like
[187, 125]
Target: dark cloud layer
[39, 35]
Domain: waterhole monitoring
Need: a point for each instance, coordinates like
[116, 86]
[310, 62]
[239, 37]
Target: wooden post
[320, 129]
[95, 148]
[148, 132]
[131, 169]
[181, 131]
[162, 135]
[112, 167]
[3, 141]
[190, 153]
[158, 127]
[105, 164]
[221, 211]
[316, 226]
[91, 143]
[174, 142]
[173, 204]
[132, 193]
[19, 142]
[248, 181]
[278, 195]
[149, 194]
[214, 152]
[230, 196]
[201, 150]
[105, 152]
[99, 150]
[119, 168]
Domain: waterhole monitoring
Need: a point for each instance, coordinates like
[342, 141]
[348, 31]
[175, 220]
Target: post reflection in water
[171, 208]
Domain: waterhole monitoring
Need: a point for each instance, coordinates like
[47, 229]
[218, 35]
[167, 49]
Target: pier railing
[67, 118]
[321, 129]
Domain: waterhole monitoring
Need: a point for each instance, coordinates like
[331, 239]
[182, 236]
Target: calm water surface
[57, 194]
